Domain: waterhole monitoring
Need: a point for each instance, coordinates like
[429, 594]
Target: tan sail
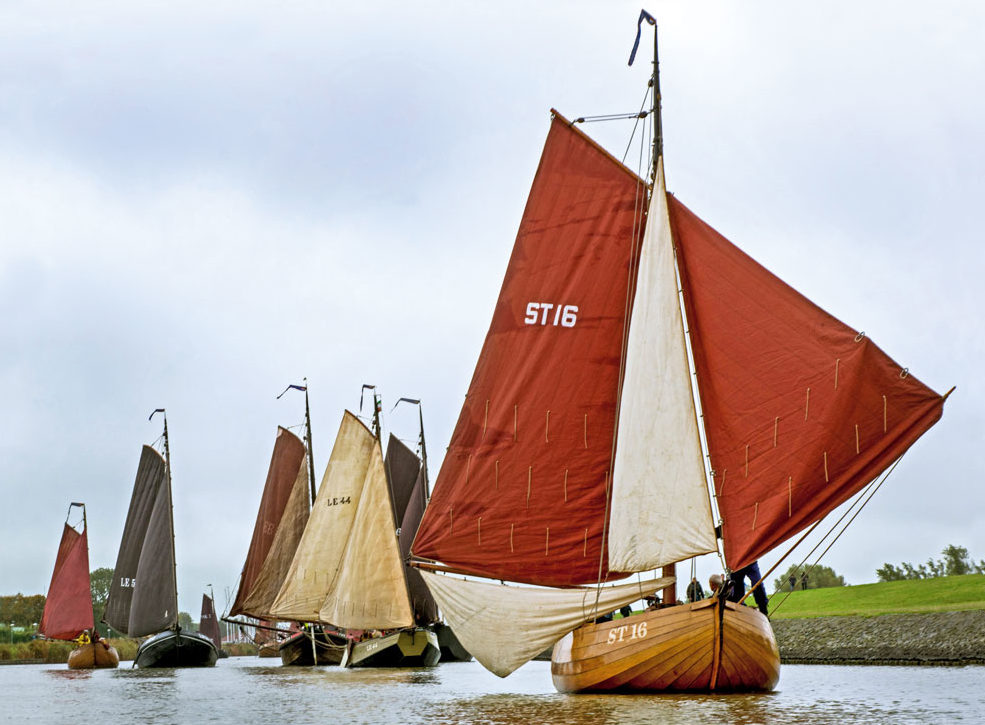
[319, 555]
[538, 617]
[259, 602]
[659, 483]
[369, 590]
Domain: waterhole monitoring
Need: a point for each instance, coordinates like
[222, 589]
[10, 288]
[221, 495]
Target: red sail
[521, 493]
[68, 606]
[801, 412]
[285, 461]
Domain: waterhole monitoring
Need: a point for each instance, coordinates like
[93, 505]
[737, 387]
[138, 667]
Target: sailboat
[208, 624]
[406, 476]
[280, 522]
[579, 454]
[67, 611]
[348, 571]
[143, 595]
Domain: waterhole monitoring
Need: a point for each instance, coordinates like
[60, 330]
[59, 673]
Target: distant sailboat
[348, 571]
[67, 611]
[578, 458]
[281, 519]
[143, 596]
[208, 624]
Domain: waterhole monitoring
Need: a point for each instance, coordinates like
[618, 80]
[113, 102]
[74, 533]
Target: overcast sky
[200, 205]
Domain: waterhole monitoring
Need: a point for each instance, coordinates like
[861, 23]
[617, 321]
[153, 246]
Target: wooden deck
[686, 648]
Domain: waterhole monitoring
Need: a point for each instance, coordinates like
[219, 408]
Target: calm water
[249, 690]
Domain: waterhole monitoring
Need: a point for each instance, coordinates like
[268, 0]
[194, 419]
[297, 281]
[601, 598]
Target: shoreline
[929, 639]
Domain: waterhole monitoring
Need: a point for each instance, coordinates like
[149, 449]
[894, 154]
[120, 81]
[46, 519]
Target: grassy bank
[939, 594]
[57, 652]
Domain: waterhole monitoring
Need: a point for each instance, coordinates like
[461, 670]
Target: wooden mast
[174, 558]
[669, 593]
[307, 440]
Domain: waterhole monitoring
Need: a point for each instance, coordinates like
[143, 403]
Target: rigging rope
[867, 495]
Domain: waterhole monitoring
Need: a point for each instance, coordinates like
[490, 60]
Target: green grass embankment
[54, 651]
[938, 594]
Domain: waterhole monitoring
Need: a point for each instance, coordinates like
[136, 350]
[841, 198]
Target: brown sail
[280, 523]
[208, 623]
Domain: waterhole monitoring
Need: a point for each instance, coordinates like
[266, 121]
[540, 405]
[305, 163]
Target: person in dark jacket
[738, 579]
[694, 590]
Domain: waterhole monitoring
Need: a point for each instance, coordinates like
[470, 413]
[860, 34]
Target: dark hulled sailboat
[67, 611]
[208, 624]
[143, 596]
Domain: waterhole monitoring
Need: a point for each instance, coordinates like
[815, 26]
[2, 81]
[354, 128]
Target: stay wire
[861, 502]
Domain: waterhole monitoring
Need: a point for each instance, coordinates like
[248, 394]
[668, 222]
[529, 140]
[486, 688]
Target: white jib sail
[370, 591]
[322, 546]
[505, 626]
[660, 509]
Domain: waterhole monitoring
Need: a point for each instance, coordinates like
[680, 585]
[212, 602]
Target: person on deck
[694, 590]
[739, 586]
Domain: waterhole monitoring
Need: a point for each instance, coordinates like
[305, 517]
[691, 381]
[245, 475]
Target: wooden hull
[451, 649]
[695, 647]
[93, 655]
[268, 649]
[407, 648]
[296, 650]
[176, 649]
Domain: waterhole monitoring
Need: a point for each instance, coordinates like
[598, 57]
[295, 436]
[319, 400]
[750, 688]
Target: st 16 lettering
[550, 313]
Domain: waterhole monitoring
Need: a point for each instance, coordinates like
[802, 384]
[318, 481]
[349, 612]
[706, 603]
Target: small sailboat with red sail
[67, 611]
[646, 393]
[208, 624]
[143, 595]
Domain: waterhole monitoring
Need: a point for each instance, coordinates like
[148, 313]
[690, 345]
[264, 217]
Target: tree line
[955, 561]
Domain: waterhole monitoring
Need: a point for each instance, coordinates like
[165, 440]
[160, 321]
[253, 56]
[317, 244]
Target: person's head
[715, 582]
[694, 580]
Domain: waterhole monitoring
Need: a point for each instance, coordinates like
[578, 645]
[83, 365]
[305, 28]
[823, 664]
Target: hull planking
[697, 647]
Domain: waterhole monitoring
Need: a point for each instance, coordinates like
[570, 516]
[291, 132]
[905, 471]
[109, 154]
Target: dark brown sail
[208, 623]
[402, 466]
[151, 475]
[287, 470]
[421, 601]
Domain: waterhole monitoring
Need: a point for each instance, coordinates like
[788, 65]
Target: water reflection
[246, 690]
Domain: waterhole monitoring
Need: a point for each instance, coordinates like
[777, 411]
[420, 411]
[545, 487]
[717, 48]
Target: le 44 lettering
[338, 500]
[619, 634]
[549, 313]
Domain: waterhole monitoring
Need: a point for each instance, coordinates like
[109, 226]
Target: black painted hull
[409, 648]
[451, 649]
[176, 649]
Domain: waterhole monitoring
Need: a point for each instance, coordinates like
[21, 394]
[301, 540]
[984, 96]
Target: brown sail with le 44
[68, 606]
[579, 455]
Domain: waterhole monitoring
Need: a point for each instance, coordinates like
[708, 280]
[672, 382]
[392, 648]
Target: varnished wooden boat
[407, 648]
[697, 647]
[296, 650]
[268, 649]
[93, 655]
